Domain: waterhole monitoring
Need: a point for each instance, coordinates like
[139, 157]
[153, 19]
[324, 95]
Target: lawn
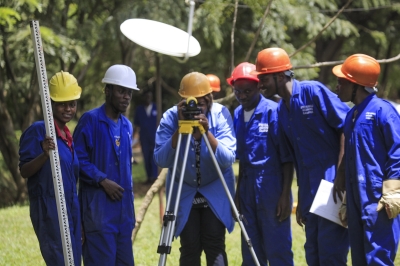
[19, 246]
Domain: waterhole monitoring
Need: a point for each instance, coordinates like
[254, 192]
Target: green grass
[19, 245]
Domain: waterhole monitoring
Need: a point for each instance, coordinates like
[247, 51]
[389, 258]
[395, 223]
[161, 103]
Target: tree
[83, 38]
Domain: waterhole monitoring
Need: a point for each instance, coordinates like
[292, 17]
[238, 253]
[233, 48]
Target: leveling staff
[204, 209]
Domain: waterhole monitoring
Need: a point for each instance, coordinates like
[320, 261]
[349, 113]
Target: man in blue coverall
[311, 118]
[103, 141]
[145, 122]
[372, 164]
[265, 173]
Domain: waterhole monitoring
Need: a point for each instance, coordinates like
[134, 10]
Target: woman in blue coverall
[372, 164]
[204, 208]
[34, 165]
[265, 173]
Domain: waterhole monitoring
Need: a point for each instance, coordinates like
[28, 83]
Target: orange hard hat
[272, 60]
[214, 82]
[360, 69]
[242, 71]
[194, 84]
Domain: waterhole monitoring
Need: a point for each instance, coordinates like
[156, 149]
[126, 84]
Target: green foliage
[83, 38]
[8, 17]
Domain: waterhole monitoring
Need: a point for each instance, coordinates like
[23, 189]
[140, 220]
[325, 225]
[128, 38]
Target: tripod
[169, 219]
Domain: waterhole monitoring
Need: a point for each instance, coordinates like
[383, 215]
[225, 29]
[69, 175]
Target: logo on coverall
[307, 109]
[262, 127]
[370, 116]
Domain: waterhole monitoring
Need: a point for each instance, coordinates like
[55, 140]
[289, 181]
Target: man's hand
[203, 121]
[390, 198]
[339, 186]
[284, 207]
[180, 107]
[113, 190]
[299, 218]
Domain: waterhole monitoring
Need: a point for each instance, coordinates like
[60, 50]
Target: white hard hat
[121, 75]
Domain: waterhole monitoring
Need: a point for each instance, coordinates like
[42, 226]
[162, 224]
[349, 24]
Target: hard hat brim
[216, 89]
[256, 73]
[337, 71]
[116, 82]
[65, 99]
[231, 81]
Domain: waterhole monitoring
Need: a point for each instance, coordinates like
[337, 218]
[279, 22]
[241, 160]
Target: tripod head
[187, 126]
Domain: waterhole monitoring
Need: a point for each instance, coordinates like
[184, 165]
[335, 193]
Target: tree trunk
[9, 150]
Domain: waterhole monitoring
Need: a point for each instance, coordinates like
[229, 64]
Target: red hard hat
[272, 60]
[359, 68]
[214, 82]
[242, 71]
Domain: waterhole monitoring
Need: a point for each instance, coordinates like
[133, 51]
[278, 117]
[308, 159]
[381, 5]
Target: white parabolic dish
[160, 37]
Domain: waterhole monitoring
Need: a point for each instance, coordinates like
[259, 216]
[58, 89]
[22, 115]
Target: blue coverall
[312, 128]
[147, 134]
[261, 155]
[107, 224]
[372, 156]
[42, 201]
[221, 126]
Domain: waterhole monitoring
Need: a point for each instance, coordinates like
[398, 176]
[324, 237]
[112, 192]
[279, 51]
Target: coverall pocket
[93, 211]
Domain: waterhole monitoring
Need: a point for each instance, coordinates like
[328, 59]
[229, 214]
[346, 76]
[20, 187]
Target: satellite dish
[160, 37]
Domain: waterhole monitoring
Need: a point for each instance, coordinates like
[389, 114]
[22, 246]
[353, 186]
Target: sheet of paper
[323, 204]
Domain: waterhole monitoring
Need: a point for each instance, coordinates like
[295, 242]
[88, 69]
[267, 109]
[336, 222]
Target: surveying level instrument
[186, 127]
[51, 132]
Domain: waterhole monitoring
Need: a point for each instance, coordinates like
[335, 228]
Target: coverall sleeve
[225, 134]
[83, 139]
[390, 127]
[163, 152]
[331, 107]
[30, 144]
[279, 139]
[235, 118]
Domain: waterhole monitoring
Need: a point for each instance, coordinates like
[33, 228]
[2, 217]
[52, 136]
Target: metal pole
[54, 157]
[168, 229]
[191, 12]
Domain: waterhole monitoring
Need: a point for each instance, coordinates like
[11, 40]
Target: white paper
[323, 204]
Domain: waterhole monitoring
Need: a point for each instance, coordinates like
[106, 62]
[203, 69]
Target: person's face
[149, 98]
[202, 104]
[247, 93]
[344, 89]
[120, 97]
[63, 112]
[267, 85]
